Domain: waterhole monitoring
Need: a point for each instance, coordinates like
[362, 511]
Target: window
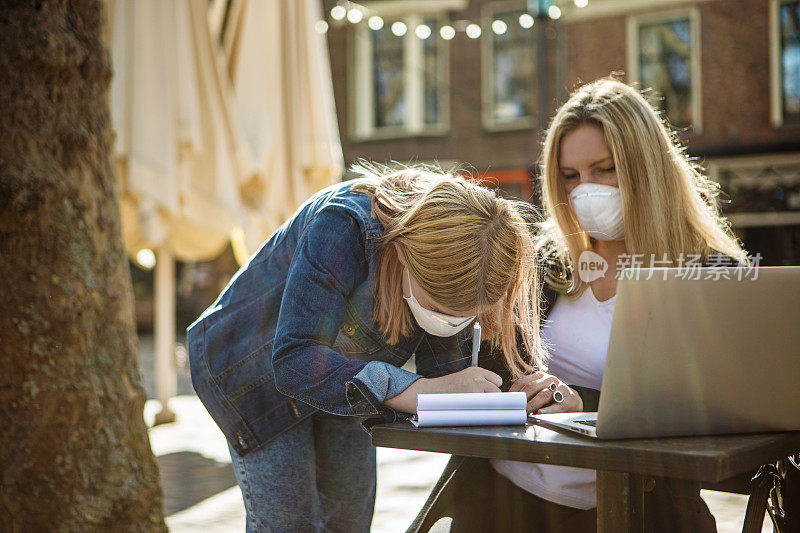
[509, 63]
[388, 81]
[663, 54]
[786, 62]
[399, 83]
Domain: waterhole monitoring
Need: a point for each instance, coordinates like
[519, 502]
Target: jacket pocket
[249, 383]
[354, 341]
[234, 336]
[243, 375]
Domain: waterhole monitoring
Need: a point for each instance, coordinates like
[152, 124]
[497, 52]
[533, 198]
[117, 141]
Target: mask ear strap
[408, 275]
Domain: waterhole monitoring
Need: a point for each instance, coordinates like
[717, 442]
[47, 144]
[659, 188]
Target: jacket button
[295, 410]
[349, 329]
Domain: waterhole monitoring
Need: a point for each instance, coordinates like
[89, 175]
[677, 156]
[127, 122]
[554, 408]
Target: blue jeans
[317, 476]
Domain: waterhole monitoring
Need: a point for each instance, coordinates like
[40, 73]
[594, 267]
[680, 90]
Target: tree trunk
[74, 449]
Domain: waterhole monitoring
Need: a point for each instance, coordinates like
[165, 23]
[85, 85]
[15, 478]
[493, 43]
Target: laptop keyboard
[592, 423]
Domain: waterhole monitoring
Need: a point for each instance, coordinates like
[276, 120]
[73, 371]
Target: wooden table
[622, 465]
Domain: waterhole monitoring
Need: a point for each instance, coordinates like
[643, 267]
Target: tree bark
[74, 449]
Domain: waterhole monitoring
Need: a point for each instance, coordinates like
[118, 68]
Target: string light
[338, 13]
[399, 28]
[355, 16]
[375, 22]
[146, 258]
[423, 31]
[499, 27]
[526, 20]
[355, 13]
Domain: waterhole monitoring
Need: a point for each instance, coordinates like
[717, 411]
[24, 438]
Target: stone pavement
[200, 491]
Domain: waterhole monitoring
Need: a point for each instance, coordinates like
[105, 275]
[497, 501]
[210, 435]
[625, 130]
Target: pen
[476, 343]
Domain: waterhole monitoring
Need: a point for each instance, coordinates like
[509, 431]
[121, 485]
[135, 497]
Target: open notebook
[471, 409]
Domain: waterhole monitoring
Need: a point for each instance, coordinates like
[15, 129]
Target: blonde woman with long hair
[614, 183]
[308, 338]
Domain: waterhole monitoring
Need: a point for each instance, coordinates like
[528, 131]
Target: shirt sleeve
[384, 380]
[328, 264]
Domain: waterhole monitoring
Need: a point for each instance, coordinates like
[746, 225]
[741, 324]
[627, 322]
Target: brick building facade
[726, 73]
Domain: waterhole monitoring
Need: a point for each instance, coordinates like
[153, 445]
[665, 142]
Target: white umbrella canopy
[176, 150]
[212, 145]
[280, 72]
[176, 146]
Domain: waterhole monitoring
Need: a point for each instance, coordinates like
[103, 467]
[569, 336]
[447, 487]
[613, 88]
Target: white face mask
[437, 324]
[599, 210]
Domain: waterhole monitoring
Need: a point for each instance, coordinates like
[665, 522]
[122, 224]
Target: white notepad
[471, 409]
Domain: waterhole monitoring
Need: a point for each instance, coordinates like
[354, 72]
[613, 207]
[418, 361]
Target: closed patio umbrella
[176, 149]
[215, 143]
[280, 72]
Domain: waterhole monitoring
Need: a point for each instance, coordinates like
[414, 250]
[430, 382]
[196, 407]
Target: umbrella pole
[166, 375]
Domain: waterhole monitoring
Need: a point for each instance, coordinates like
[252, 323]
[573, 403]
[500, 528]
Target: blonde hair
[464, 245]
[669, 206]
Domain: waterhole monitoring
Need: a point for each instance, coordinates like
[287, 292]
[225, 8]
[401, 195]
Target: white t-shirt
[576, 332]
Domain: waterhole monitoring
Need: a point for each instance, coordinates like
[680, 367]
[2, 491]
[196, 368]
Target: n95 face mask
[598, 209]
[437, 324]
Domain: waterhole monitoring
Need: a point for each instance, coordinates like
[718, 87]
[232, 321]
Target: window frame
[755, 165]
[487, 69]
[634, 22]
[775, 72]
[361, 91]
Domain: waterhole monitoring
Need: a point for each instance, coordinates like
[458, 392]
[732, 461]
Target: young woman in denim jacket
[614, 183]
[308, 338]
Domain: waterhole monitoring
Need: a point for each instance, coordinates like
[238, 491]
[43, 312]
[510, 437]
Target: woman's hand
[537, 387]
[472, 379]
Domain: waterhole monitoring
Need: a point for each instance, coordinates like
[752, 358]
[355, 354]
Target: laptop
[716, 352]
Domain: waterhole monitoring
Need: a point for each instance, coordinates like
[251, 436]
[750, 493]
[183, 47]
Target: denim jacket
[293, 333]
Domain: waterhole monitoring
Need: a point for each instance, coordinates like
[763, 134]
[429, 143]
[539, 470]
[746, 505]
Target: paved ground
[200, 492]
